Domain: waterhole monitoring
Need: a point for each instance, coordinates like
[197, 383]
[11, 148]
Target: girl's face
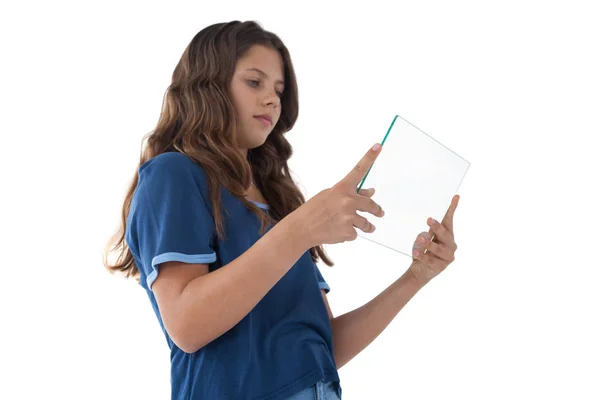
[256, 88]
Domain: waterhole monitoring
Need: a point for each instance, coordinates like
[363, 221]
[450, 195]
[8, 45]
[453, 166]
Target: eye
[256, 83]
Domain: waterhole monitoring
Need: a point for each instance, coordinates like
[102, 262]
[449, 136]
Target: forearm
[214, 303]
[355, 330]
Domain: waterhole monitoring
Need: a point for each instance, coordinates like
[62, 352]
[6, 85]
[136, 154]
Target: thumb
[360, 170]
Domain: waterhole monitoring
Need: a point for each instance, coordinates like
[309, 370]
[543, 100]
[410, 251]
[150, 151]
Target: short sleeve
[169, 219]
[322, 284]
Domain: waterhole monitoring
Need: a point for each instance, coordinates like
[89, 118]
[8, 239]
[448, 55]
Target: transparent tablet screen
[415, 177]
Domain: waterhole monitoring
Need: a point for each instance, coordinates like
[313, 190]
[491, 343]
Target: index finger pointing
[448, 220]
[362, 168]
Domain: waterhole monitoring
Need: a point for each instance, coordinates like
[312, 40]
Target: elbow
[340, 363]
[190, 332]
[187, 344]
[186, 339]
[187, 348]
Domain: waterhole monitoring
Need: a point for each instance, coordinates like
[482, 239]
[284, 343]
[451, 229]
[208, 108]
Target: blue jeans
[317, 391]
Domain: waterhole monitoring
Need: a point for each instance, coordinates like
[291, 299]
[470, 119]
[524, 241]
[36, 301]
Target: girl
[224, 244]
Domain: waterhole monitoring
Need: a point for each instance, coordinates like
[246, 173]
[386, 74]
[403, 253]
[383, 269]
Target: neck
[243, 152]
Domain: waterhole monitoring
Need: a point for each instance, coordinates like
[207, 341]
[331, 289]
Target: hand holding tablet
[416, 178]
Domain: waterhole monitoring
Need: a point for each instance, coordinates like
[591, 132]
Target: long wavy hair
[198, 119]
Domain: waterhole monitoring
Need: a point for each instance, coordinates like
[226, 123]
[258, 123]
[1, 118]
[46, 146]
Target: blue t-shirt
[283, 345]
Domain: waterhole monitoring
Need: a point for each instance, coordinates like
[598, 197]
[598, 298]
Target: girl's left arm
[433, 251]
[355, 330]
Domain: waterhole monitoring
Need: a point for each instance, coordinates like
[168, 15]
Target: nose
[271, 98]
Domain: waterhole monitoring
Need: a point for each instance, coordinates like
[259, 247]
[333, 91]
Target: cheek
[239, 99]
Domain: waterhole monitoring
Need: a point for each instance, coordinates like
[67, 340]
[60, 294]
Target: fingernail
[421, 240]
[416, 253]
[376, 147]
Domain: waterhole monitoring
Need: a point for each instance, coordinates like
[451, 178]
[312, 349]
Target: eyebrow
[261, 72]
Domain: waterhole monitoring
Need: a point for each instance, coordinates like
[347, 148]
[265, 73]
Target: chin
[258, 144]
[255, 138]
[253, 143]
[260, 138]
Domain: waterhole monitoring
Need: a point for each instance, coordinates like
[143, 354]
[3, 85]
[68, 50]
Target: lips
[265, 118]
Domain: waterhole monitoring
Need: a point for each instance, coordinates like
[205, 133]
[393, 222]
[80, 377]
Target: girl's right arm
[197, 307]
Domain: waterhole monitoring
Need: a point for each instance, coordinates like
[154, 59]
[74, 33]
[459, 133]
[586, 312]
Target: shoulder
[171, 168]
[168, 163]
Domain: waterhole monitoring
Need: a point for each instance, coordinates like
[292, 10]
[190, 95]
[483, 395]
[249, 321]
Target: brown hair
[198, 119]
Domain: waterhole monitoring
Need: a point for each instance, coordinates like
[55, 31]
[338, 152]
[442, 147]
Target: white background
[512, 86]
